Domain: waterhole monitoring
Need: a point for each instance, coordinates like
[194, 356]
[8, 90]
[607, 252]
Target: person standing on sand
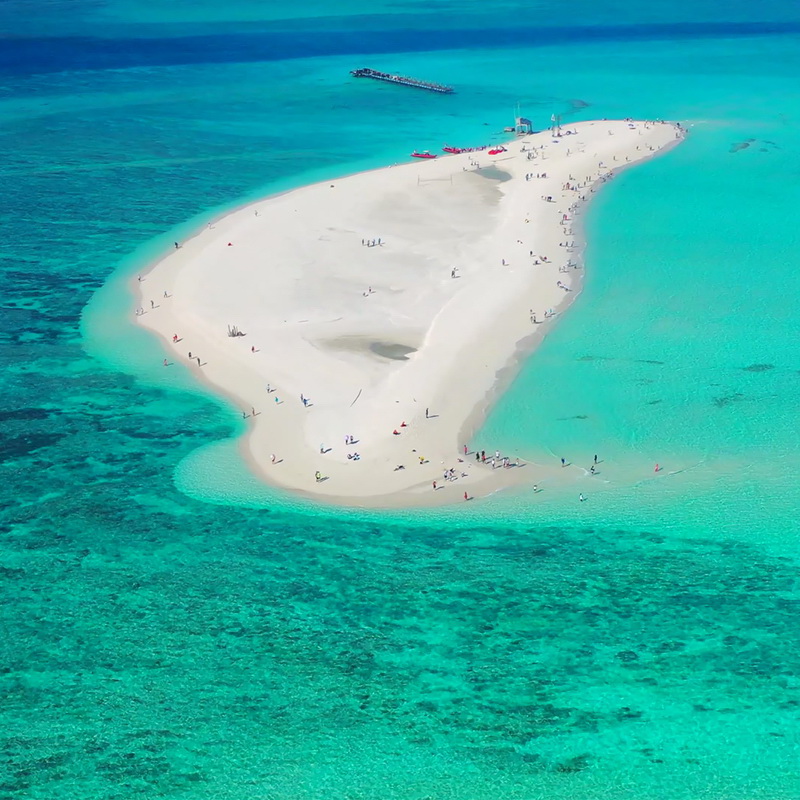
[465, 450]
[426, 413]
[434, 486]
[563, 462]
[198, 361]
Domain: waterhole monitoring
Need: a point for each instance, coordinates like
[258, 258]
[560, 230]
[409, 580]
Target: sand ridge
[400, 295]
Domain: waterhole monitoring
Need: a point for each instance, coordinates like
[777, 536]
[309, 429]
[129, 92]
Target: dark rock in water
[721, 402]
[627, 656]
[11, 572]
[737, 146]
[25, 414]
[574, 764]
[758, 368]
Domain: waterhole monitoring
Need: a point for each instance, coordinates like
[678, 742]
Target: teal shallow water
[175, 629]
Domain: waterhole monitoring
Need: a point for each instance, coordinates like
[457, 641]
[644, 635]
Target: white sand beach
[403, 344]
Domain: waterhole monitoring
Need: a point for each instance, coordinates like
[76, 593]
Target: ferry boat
[423, 154]
[403, 80]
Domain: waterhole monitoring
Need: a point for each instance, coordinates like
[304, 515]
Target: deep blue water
[172, 629]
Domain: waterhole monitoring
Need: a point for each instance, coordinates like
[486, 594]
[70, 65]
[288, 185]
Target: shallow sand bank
[377, 336]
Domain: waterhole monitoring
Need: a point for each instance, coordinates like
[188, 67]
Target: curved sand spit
[373, 336]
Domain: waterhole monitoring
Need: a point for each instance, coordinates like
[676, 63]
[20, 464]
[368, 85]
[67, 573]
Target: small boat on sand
[456, 150]
[423, 154]
[496, 151]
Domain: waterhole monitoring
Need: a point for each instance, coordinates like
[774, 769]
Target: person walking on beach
[563, 462]
[198, 361]
[426, 413]
[595, 459]
[434, 486]
[272, 458]
[176, 245]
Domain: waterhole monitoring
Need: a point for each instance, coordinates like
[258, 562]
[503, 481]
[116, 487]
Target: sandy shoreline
[377, 336]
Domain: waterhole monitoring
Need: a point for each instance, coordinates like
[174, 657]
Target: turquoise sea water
[172, 629]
